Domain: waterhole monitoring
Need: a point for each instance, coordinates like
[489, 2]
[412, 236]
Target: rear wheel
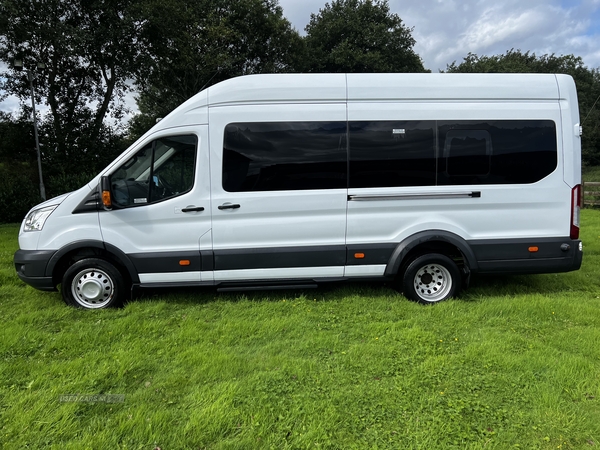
[431, 278]
[93, 283]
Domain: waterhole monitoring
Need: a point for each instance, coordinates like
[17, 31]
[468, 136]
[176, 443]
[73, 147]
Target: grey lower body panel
[31, 268]
[527, 255]
[508, 256]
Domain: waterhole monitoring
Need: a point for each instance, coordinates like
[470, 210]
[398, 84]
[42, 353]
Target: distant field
[513, 363]
[591, 173]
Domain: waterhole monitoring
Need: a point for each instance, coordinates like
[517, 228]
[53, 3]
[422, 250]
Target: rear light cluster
[575, 210]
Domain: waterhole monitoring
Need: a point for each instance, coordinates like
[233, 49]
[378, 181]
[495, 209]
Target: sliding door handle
[229, 206]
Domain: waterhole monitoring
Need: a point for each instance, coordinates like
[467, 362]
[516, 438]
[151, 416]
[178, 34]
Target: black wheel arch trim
[121, 257]
[408, 244]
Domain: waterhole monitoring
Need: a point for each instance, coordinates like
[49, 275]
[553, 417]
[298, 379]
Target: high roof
[381, 87]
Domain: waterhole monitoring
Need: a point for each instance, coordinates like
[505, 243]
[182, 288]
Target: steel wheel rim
[92, 288]
[433, 282]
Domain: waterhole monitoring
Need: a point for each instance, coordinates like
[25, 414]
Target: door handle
[192, 209]
[229, 206]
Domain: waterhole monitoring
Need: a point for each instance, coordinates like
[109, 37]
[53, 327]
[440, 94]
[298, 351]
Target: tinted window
[467, 153]
[284, 156]
[386, 154]
[162, 169]
[496, 152]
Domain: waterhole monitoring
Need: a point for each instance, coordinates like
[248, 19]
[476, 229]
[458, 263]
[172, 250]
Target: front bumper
[31, 268]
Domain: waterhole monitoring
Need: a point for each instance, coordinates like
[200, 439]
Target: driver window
[162, 169]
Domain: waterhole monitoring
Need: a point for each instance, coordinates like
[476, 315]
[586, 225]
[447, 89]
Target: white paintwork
[571, 142]
[163, 227]
[306, 218]
[278, 218]
[170, 277]
[372, 270]
[63, 228]
[456, 87]
[541, 209]
[283, 273]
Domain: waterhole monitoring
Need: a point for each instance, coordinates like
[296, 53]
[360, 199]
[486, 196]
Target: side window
[496, 152]
[389, 154]
[467, 154]
[284, 156]
[162, 169]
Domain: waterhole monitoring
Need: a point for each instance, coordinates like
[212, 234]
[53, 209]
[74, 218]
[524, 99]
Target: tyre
[431, 278]
[93, 283]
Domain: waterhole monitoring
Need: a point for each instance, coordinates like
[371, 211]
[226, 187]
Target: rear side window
[387, 154]
[371, 154]
[162, 169]
[496, 152]
[467, 153]
[284, 156]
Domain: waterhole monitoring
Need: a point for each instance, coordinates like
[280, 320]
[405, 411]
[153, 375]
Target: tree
[18, 168]
[587, 82]
[360, 36]
[90, 49]
[192, 44]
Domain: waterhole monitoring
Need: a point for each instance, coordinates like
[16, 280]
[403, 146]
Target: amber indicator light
[184, 262]
[359, 255]
[106, 201]
[533, 249]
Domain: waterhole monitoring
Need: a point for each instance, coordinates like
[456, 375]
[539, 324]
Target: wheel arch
[437, 241]
[60, 261]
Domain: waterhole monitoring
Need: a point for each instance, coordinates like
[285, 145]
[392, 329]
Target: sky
[447, 30]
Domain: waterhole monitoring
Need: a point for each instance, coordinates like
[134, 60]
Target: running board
[267, 287]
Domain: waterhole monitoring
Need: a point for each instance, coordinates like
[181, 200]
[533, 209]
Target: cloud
[447, 30]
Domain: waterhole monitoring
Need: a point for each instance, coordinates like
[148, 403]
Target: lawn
[514, 362]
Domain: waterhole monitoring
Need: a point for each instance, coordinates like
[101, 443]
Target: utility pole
[18, 65]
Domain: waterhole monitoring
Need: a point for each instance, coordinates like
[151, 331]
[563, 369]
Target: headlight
[35, 219]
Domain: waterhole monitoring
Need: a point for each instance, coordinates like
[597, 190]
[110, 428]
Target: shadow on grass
[512, 285]
[327, 292]
[481, 286]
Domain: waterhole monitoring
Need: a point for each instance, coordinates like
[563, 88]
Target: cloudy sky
[447, 30]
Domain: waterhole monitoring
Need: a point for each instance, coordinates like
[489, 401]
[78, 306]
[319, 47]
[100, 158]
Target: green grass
[591, 173]
[591, 193]
[513, 363]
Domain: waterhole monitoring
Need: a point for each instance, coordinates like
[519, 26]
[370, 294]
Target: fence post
[590, 197]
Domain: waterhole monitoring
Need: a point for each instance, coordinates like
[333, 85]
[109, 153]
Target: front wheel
[431, 278]
[93, 283]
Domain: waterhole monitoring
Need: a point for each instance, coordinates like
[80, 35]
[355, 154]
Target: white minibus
[292, 180]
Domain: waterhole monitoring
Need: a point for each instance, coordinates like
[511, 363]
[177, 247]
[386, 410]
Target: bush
[19, 191]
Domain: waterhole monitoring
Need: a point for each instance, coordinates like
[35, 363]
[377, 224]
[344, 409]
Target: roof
[379, 87]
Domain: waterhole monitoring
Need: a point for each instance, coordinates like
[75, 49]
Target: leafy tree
[360, 36]
[587, 82]
[18, 168]
[192, 44]
[90, 49]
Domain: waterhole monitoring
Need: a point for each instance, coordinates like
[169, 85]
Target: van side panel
[477, 211]
[316, 177]
[415, 87]
[570, 125]
[157, 235]
[264, 225]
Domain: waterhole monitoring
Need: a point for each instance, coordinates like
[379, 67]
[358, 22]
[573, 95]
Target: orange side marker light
[533, 249]
[184, 262]
[106, 200]
[359, 255]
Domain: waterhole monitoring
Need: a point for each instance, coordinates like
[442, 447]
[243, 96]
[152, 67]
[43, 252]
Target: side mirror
[105, 193]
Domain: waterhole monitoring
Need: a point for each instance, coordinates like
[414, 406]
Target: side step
[267, 287]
